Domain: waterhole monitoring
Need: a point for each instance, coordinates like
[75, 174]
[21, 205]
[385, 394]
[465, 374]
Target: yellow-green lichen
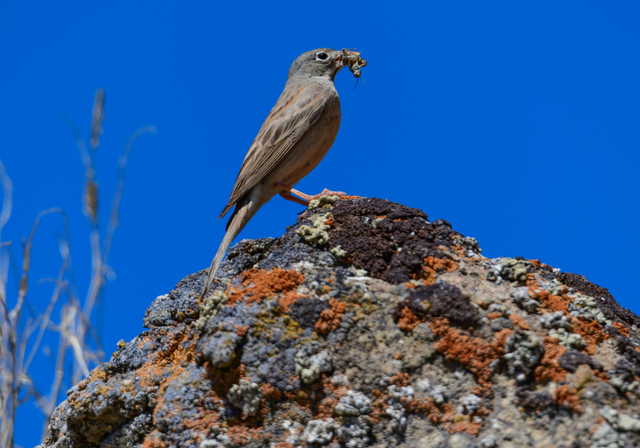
[316, 234]
[338, 252]
[209, 308]
[263, 324]
[515, 270]
[323, 201]
[293, 330]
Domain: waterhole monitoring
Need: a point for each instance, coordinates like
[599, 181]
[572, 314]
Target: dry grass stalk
[22, 328]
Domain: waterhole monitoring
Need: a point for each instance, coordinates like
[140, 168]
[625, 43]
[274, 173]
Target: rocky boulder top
[366, 325]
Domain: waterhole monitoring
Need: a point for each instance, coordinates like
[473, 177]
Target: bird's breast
[307, 153]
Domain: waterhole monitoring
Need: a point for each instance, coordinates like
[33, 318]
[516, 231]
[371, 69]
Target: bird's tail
[242, 214]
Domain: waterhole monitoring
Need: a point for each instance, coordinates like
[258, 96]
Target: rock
[367, 325]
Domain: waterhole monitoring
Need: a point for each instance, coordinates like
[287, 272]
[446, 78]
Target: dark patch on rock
[244, 255]
[534, 400]
[185, 400]
[546, 272]
[307, 311]
[137, 352]
[220, 342]
[571, 359]
[609, 307]
[180, 305]
[290, 249]
[389, 240]
[628, 350]
[439, 300]
[131, 433]
[625, 369]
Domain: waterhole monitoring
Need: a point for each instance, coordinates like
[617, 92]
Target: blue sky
[519, 122]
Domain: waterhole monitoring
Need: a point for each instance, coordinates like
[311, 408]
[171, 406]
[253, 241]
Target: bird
[294, 138]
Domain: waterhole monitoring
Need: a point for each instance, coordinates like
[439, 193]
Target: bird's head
[321, 62]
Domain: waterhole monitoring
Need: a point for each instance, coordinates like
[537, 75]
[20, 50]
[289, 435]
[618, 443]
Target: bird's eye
[322, 56]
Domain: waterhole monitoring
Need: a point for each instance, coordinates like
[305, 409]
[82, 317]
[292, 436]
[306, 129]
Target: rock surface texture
[366, 325]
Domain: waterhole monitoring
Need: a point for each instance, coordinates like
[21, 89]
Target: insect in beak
[354, 60]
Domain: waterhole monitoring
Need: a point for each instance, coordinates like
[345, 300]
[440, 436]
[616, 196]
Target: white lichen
[310, 363]
[522, 298]
[620, 422]
[523, 351]
[319, 431]
[245, 396]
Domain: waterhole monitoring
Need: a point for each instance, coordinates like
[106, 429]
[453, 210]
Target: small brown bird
[295, 137]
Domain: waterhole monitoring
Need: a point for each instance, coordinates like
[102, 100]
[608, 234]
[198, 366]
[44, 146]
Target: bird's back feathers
[295, 111]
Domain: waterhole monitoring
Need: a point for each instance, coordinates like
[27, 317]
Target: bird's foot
[324, 192]
[306, 198]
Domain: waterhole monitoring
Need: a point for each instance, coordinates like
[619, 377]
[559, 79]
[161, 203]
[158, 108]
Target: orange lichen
[427, 407]
[519, 321]
[475, 354]
[178, 350]
[203, 424]
[398, 356]
[591, 332]
[349, 198]
[326, 408]
[331, 318]
[96, 374]
[464, 425]
[444, 414]
[408, 321]
[568, 396]
[241, 331]
[458, 250]
[549, 368]
[243, 434]
[549, 301]
[400, 379]
[621, 328]
[337, 390]
[494, 315]
[433, 266]
[283, 445]
[269, 392]
[153, 441]
[258, 284]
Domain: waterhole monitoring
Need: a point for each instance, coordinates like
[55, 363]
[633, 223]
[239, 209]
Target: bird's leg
[289, 197]
[289, 191]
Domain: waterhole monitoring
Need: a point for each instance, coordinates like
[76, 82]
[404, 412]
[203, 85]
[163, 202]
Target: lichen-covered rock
[245, 396]
[366, 325]
[311, 362]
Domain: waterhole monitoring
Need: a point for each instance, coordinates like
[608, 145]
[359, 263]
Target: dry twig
[23, 333]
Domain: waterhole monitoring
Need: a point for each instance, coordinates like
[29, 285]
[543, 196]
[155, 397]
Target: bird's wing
[297, 109]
